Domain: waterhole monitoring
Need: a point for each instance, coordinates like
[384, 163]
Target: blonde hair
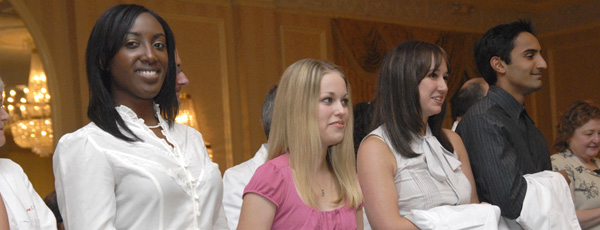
[294, 129]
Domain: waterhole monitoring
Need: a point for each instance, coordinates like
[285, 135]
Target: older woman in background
[577, 144]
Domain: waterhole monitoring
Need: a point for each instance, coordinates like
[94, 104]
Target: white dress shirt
[24, 207]
[454, 125]
[103, 182]
[235, 180]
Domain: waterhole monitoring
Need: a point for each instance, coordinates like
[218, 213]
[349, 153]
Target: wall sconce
[187, 116]
[29, 108]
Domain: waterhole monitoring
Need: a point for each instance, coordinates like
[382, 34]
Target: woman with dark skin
[132, 167]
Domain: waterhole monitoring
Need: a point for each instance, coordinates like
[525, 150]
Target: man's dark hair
[267, 110]
[498, 42]
[363, 119]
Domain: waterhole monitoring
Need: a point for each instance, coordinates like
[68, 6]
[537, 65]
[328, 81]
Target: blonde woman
[310, 179]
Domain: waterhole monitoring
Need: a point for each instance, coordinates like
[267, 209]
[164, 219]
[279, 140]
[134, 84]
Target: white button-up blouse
[103, 182]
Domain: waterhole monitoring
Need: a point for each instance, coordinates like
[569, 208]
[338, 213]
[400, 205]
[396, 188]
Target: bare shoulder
[452, 136]
[457, 143]
[374, 146]
[450, 133]
[373, 151]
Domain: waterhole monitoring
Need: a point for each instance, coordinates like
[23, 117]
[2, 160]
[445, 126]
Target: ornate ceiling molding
[464, 15]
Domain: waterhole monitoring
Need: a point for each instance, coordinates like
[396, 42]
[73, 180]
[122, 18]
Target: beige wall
[234, 51]
[573, 74]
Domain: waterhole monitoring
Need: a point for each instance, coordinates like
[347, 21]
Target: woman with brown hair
[409, 162]
[577, 144]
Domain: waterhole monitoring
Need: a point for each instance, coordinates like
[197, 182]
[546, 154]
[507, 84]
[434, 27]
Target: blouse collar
[440, 161]
[131, 117]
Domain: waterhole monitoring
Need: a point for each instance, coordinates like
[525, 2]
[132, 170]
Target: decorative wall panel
[300, 43]
[204, 61]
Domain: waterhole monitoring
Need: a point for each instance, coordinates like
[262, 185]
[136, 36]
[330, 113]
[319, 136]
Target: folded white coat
[548, 203]
[463, 217]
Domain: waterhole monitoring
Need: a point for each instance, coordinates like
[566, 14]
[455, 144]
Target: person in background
[408, 162]
[20, 206]
[363, 117]
[51, 202]
[310, 179]
[181, 79]
[471, 92]
[577, 145]
[132, 167]
[236, 178]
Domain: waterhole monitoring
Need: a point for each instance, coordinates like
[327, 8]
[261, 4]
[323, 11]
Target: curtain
[360, 47]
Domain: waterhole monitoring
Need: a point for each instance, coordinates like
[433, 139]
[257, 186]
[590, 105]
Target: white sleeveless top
[432, 179]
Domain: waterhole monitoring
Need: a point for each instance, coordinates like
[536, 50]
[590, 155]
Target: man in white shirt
[236, 178]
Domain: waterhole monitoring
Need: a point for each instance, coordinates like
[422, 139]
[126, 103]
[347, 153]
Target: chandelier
[29, 108]
[187, 116]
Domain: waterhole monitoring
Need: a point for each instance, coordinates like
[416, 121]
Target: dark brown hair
[397, 106]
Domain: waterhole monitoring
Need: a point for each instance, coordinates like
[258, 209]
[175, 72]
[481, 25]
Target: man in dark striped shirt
[501, 139]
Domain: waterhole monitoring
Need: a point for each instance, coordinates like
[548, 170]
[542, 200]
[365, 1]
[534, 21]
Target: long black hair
[105, 41]
[397, 107]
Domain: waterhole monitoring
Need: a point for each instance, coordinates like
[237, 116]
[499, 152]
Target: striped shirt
[503, 144]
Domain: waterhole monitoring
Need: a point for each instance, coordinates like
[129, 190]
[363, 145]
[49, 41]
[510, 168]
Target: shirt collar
[131, 117]
[507, 102]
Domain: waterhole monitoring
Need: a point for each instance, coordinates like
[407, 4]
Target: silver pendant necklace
[322, 190]
[153, 126]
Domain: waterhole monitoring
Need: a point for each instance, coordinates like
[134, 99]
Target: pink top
[273, 181]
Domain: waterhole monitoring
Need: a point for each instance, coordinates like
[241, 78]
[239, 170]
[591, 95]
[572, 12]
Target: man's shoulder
[245, 168]
[487, 114]
[486, 108]
[248, 167]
